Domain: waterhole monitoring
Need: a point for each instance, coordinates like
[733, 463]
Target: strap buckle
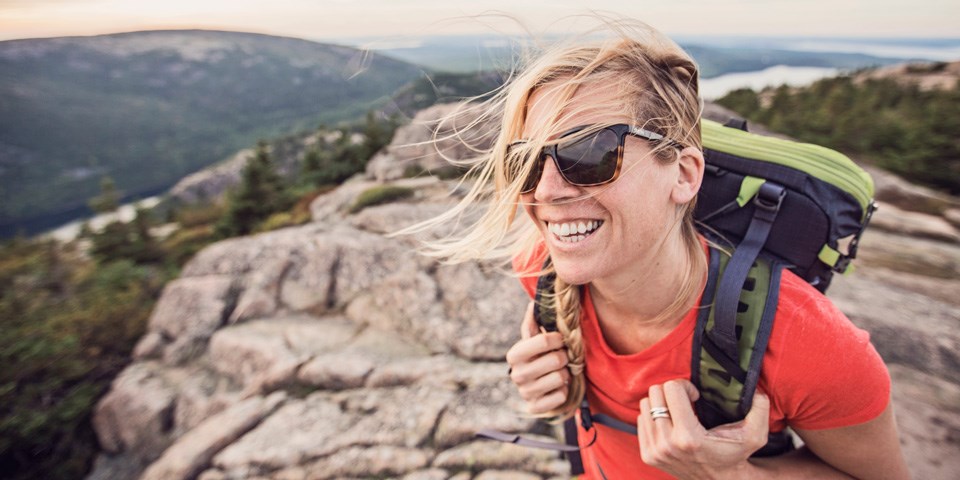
[843, 263]
[769, 199]
[585, 420]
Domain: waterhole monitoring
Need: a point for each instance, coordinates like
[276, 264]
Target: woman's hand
[538, 366]
[681, 446]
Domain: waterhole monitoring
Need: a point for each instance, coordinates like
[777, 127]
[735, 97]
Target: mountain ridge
[147, 108]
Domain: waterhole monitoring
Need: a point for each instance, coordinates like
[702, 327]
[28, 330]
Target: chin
[572, 275]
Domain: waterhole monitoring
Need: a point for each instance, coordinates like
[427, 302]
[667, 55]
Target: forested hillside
[147, 108]
[897, 123]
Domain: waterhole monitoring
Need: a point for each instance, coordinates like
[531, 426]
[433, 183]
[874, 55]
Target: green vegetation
[899, 127]
[70, 314]
[67, 325]
[379, 195]
[75, 110]
[332, 162]
[261, 193]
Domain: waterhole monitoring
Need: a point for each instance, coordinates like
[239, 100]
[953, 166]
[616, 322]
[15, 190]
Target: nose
[552, 187]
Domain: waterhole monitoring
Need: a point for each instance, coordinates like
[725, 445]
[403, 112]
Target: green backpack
[774, 204]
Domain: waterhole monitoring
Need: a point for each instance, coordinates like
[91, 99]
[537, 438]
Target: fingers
[751, 432]
[679, 395]
[683, 385]
[529, 348]
[537, 366]
[665, 440]
[547, 392]
[757, 422]
[662, 426]
[540, 387]
[547, 402]
[527, 372]
[645, 431]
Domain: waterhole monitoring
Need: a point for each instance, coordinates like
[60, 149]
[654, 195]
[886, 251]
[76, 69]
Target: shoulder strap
[726, 390]
[544, 309]
[726, 385]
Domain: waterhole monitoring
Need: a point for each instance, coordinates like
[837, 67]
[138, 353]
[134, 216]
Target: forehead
[550, 113]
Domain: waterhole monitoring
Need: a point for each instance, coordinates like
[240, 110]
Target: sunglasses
[590, 160]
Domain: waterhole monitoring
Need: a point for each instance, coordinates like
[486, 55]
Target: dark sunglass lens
[590, 160]
[514, 151]
[533, 178]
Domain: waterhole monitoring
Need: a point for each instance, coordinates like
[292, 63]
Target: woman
[631, 268]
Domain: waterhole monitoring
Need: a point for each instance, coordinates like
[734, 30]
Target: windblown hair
[657, 84]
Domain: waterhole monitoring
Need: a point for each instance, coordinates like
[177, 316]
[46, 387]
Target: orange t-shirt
[820, 371]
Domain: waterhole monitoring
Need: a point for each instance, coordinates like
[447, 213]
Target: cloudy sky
[333, 19]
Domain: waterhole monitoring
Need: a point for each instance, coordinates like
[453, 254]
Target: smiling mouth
[573, 232]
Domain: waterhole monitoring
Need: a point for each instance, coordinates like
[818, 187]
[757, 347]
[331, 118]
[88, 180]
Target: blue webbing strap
[723, 334]
[570, 438]
[526, 442]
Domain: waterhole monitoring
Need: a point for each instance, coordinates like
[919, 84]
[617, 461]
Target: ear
[689, 175]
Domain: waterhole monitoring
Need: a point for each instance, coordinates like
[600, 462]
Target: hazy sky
[330, 19]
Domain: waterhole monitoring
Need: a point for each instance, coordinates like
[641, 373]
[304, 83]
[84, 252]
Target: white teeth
[574, 231]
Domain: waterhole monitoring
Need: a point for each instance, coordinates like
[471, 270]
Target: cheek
[526, 202]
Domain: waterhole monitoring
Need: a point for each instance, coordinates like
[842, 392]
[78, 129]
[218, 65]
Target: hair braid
[567, 301]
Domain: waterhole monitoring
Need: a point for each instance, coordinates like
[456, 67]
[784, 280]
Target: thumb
[528, 327]
[757, 421]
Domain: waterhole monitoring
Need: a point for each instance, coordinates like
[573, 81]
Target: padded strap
[544, 311]
[723, 334]
[526, 442]
[570, 438]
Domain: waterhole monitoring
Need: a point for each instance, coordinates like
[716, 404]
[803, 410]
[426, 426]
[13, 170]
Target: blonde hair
[657, 84]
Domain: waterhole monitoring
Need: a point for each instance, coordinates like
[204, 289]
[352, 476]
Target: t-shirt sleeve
[829, 374]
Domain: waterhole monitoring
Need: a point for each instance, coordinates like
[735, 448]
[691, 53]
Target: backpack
[774, 204]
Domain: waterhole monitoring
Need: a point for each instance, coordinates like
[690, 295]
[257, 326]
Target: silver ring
[659, 412]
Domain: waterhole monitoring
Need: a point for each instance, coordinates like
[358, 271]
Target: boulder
[928, 420]
[210, 183]
[300, 430]
[189, 311]
[489, 400]
[891, 189]
[485, 305]
[383, 363]
[350, 365]
[267, 353]
[322, 425]
[907, 328]
[366, 462]
[136, 416]
[952, 216]
[914, 224]
[434, 137]
[192, 452]
[201, 393]
[483, 455]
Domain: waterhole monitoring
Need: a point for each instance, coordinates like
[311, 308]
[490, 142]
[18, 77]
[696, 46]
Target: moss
[380, 195]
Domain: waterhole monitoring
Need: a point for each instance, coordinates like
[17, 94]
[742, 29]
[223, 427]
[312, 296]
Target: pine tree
[311, 167]
[376, 136]
[260, 193]
[109, 198]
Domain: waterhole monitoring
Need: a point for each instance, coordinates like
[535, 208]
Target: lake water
[125, 213]
[716, 87]
[710, 89]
